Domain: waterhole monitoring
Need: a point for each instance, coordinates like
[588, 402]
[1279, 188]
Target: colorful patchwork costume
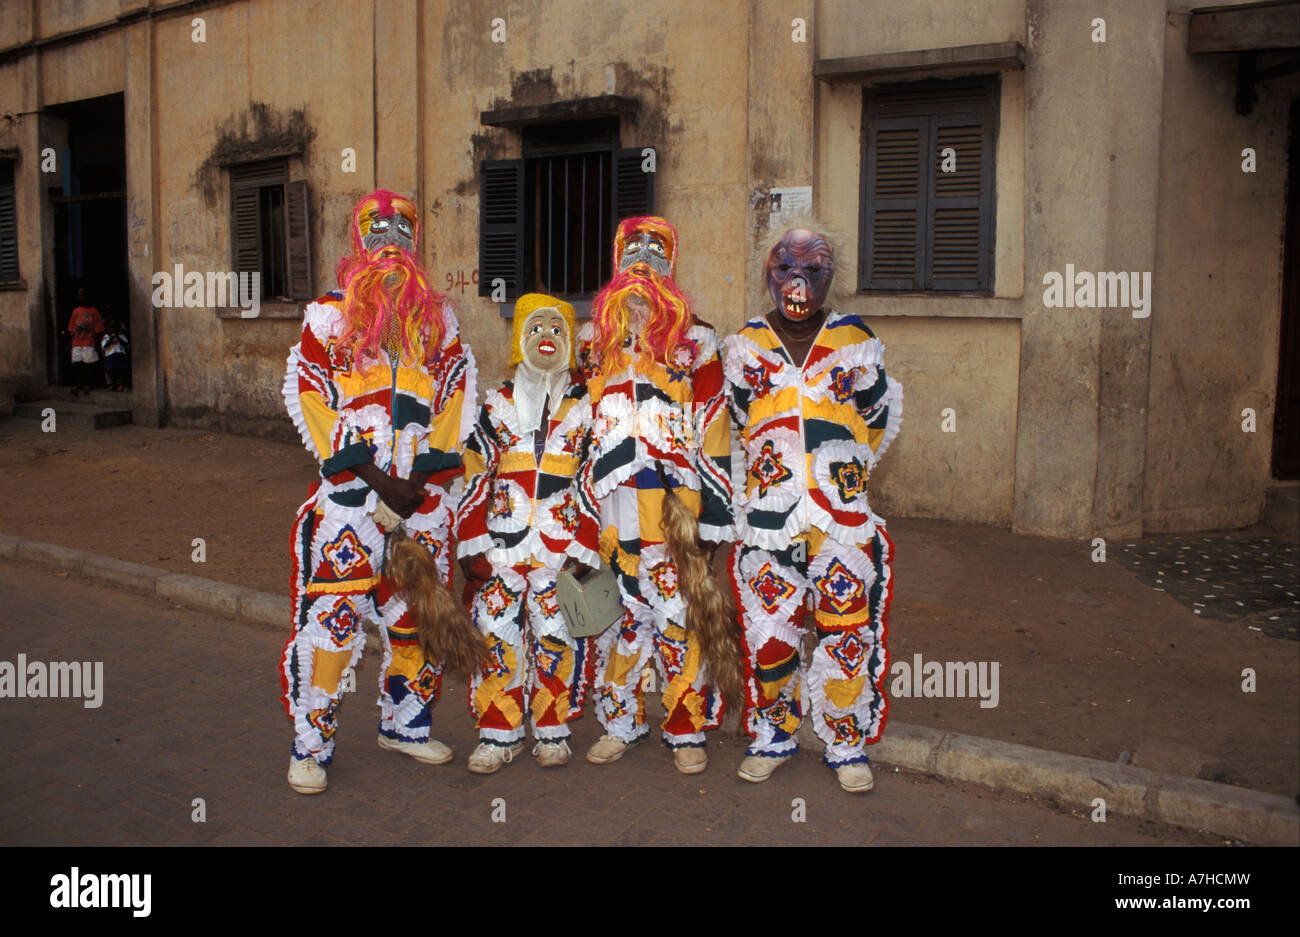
[520, 512]
[810, 436]
[379, 377]
[655, 383]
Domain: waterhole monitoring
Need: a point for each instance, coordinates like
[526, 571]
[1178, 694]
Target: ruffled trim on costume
[894, 399]
[739, 350]
[290, 391]
[474, 546]
[769, 538]
[821, 520]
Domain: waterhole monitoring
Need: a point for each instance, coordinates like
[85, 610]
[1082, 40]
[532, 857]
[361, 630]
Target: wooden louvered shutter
[895, 182]
[922, 228]
[246, 232]
[298, 238]
[959, 228]
[501, 225]
[634, 190]
[8, 225]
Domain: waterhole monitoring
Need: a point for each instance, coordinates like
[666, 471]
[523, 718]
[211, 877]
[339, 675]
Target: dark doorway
[89, 208]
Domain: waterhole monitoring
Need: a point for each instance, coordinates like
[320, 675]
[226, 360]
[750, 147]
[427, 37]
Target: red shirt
[83, 325]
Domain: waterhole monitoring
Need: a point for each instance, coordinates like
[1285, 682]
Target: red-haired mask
[387, 299]
[642, 295]
[800, 268]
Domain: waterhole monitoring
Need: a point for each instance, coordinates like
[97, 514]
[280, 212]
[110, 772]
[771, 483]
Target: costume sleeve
[482, 456]
[713, 431]
[312, 399]
[879, 399]
[454, 404]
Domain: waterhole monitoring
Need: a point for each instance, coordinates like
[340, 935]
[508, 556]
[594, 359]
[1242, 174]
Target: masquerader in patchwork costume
[383, 393]
[808, 392]
[660, 449]
[519, 520]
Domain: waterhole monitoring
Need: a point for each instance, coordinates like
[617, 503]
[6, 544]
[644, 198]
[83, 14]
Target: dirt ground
[1090, 660]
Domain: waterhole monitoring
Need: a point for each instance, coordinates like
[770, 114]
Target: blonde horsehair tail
[447, 636]
[710, 609]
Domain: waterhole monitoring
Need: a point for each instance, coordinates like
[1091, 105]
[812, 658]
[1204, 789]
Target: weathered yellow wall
[952, 352]
[1218, 275]
[688, 65]
[253, 90]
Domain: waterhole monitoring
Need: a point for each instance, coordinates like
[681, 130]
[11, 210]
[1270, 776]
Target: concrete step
[1282, 509]
[67, 413]
[112, 399]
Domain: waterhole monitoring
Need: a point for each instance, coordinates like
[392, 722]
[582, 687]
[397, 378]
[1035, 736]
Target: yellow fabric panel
[492, 691]
[608, 544]
[874, 436]
[650, 508]
[516, 461]
[327, 669]
[353, 384]
[677, 686]
[406, 661]
[351, 587]
[778, 403]
[320, 421]
[620, 665]
[717, 438]
[844, 693]
[561, 466]
[446, 425]
[475, 464]
[416, 382]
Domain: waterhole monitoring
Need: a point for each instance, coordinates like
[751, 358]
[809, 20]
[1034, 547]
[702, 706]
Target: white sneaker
[306, 776]
[758, 768]
[607, 748]
[488, 759]
[431, 752]
[855, 778]
[552, 753]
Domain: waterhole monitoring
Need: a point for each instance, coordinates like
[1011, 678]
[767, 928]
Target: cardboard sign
[590, 606]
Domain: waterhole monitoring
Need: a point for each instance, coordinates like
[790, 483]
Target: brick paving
[191, 710]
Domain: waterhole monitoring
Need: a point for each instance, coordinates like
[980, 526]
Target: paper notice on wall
[786, 203]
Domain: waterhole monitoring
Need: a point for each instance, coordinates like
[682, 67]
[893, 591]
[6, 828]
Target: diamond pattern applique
[566, 513]
[849, 652]
[342, 623]
[344, 553]
[497, 597]
[770, 588]
[425, 683]
[846, 729]
[664, 577]
[841, 588]
[769, 468]
[850, 478]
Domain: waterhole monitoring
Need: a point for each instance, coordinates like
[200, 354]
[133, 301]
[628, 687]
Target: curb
[1236, 812]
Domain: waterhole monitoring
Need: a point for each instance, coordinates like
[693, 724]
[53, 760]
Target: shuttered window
[927, 186]
[270, 228]
[546, 222]
[8, 225]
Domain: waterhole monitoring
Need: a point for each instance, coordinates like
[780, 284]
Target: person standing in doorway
[85, 326]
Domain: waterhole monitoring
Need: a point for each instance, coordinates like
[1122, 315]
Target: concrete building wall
[1214, 338]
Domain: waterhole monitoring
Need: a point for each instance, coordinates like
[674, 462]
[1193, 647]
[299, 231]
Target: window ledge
[963, 60]
[270, 309]
[581, 307]
[605, 105]
[13, 286]
[885, 304]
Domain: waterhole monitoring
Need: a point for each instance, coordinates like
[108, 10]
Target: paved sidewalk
[190, 711]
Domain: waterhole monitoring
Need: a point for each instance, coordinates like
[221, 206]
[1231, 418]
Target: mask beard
[389, 292]
[665, 330]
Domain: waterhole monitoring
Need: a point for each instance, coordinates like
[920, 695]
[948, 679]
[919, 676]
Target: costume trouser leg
[335, 558]
[654, 622]
[850, 586]
[531, 655]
